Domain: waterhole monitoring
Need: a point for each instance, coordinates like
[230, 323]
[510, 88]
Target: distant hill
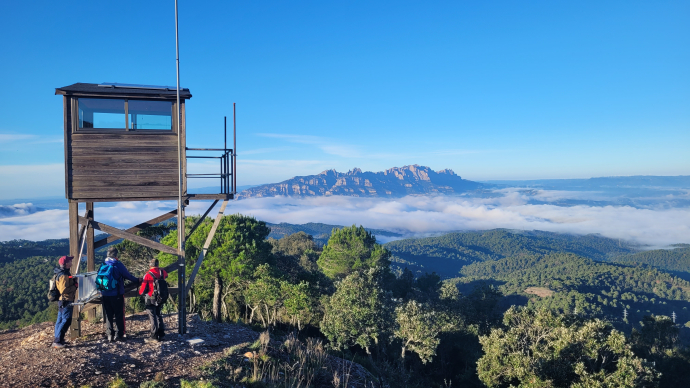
[447, 254]
[394, 182]
[675, 260]
[320, 232]
[13, 250]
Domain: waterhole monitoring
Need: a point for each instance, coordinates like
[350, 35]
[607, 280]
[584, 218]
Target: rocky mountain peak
[329, 172]
[393, 182]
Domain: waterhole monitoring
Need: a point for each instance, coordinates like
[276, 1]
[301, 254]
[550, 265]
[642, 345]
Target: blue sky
[493, 90]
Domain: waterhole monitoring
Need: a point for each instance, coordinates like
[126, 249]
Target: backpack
[104, 278]
[160, 292]
[53, 292]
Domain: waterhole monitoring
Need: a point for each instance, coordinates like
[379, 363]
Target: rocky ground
[27, 359]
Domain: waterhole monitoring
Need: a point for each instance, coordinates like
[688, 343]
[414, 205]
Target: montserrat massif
[394, 182]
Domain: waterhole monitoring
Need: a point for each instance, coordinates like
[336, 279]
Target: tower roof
[116, 89]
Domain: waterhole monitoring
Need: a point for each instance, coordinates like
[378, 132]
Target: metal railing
[226, 168]
[228, 159]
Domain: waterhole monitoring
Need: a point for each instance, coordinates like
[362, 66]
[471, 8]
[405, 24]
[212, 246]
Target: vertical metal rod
[234, 150]
[182, 319]
[225, 154]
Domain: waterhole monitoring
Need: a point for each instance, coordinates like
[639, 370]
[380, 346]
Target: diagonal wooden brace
[207, 244]
[129, 236]
[137, 228]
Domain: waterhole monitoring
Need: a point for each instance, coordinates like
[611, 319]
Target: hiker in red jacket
[155, 291]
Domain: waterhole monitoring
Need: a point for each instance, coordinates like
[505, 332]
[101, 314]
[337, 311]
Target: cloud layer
[19, 209]
[411, 216]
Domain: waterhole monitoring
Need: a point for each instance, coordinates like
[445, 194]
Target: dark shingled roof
[93, 89]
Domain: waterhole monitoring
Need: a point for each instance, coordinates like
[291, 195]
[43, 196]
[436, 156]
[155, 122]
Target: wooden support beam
[90, 252]
[207, 244]
[201, 219]
[73, 211]
[136, 228]
[149, 197]
[129, 236]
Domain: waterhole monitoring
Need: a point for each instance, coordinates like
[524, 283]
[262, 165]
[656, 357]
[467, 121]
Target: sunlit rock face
[394, 182]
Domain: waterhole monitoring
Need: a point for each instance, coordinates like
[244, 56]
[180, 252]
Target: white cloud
[412, 216]
[19, 209]
[419, 215]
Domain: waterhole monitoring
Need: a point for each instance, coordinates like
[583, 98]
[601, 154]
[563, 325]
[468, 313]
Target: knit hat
[153, 263]
[113, 252]
[65, 259]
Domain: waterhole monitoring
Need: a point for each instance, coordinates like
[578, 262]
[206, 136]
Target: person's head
[65, 261]
[153, 263]
[113, 252]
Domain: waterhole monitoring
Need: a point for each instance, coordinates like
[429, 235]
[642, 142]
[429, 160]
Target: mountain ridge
[391, 183]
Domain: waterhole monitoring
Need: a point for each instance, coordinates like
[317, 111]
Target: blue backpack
[104, 279]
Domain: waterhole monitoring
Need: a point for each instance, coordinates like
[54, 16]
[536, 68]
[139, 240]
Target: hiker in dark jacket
[67, 286]
[153, 309]
[114, 300]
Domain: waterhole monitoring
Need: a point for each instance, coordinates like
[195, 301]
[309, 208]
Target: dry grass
[539, 291]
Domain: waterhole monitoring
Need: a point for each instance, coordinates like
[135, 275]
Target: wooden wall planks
[122, 165]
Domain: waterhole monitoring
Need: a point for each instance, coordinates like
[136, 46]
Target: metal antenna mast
[182, 318]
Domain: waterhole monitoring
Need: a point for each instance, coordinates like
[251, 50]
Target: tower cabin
[122, 144]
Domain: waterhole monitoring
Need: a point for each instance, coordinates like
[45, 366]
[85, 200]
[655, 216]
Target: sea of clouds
[410, 216]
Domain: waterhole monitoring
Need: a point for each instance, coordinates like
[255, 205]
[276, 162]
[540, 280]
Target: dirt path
[27, 359]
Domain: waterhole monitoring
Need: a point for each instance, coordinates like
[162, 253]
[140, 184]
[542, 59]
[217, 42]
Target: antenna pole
[234, 151]
[182, 316]
[226, 169]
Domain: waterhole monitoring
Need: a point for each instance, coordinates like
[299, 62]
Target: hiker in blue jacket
[114, 300]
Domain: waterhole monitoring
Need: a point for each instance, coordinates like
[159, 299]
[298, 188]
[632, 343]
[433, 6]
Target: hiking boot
[58, 345]
[121, 339]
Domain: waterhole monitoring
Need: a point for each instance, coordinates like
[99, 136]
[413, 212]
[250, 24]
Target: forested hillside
[675, 260]
[447, 254]
[23, 289]
[568, 283]
[21, 249]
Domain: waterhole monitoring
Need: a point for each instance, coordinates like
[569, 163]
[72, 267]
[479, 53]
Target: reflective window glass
[101, 113]
[150, 114]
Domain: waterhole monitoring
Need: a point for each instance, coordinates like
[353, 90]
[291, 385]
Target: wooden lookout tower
[127, 142]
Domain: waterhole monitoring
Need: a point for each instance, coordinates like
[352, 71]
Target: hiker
[155, 291]
[67, 287]
[114, 297]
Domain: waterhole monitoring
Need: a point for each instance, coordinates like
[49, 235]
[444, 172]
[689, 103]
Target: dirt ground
[29, 361]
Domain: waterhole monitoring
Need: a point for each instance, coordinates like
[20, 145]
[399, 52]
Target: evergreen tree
[350, 249]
